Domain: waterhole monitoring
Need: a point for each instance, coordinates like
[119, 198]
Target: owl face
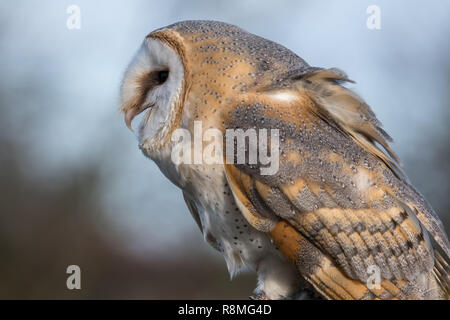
[153, 84]
[197, 68]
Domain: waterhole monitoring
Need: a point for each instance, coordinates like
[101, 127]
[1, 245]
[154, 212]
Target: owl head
[154, 83]
[195, 68]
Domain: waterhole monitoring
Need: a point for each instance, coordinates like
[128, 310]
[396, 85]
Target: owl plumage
[339, 202]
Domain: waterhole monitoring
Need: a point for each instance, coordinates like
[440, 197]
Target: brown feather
[333, 102]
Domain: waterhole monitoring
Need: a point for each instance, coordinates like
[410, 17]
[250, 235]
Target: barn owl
[336, 219]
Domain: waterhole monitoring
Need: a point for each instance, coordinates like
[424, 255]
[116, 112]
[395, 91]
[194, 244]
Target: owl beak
[129, 116]
[133, 112]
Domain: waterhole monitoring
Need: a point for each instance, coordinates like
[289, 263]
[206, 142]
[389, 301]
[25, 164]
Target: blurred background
[75, 189]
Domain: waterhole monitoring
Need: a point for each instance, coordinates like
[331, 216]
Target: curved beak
[129, 116]
[131, 113]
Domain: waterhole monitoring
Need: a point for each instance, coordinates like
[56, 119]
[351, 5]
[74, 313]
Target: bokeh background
[75, 189]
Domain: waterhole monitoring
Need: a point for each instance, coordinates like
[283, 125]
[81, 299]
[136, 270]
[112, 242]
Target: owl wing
[338, 206]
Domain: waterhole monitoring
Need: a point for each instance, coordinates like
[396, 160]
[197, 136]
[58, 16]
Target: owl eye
[162, 76]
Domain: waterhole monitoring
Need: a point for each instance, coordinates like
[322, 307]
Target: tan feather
[442, 273]
[344, 108]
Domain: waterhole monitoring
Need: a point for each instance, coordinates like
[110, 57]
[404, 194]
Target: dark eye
[162, 76]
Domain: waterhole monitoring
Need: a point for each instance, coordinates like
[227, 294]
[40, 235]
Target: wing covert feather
[337, 195]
